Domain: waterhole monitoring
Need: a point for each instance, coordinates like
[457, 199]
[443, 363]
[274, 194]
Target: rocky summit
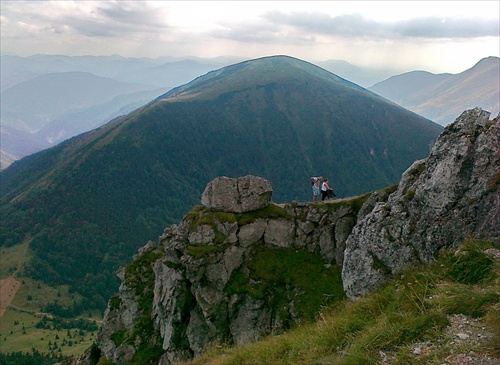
[240, 267]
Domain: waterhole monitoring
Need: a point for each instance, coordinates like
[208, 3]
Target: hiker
[326, 190]
[315, 181]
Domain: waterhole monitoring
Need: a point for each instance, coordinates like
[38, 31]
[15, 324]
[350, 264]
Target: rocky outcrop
[240, 195]
[451, 195]
[240, 267]
[218, 276]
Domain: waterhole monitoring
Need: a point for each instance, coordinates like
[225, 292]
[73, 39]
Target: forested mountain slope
[90, 202]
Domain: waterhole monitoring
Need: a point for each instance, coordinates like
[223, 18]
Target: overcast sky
[447, 36]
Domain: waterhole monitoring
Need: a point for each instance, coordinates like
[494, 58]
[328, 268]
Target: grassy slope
[411, 311]
[18, 331]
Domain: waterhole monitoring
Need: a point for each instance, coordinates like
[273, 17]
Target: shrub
[272, 211]
[199, 252]
[277, 275]
[115, 302]
[469, 266]
[119, 337]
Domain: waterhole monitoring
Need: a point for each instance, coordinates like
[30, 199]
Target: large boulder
[441, 200]
[240, 195]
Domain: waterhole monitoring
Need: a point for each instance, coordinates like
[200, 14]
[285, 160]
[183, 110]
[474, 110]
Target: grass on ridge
[413, 308]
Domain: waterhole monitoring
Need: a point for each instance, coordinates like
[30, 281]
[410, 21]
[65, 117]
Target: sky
[436, 36]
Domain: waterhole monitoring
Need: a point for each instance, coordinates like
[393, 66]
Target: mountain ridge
[270, 69]
[164, 73]
[443, 96]
[69, 89]
[108, 190]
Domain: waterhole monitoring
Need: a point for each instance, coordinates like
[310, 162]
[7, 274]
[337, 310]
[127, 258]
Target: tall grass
[411, 309]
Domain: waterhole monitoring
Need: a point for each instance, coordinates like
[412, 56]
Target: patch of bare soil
[8, 290]
[464, 330]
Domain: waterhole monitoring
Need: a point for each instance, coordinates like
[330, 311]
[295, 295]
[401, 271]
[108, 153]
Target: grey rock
[327, 243]
[229, 230]
[240, 195]
[451, 195]
[280, 232]
[197, 332]
[233, 258]
[251, 233]
[217, 275]
[170, 296]
[118, 319]
[250, 319]
[203, 235]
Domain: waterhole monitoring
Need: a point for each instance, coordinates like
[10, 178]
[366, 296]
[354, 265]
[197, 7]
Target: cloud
[353, 25]
[437, 32]
[303, 28]
[143, 15]
[434, 27]
[89, 19]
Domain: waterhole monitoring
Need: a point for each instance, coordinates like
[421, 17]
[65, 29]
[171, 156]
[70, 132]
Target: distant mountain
[15, 143]
[444, 96]
[57, 97]
[363, 76]
[16, 69]
[94, 199]
[168, 74]
[33, 103]
[47, 109]
[74, 122]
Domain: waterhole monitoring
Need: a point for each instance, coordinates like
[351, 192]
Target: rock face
[240, 267]
[240, 195]
[208, 279]
[451, 195]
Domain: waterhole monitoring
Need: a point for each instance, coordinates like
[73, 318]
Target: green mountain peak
[250, 74]
[94, 199]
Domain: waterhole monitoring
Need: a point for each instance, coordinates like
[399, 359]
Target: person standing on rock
[326, 190]
[315, 181]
